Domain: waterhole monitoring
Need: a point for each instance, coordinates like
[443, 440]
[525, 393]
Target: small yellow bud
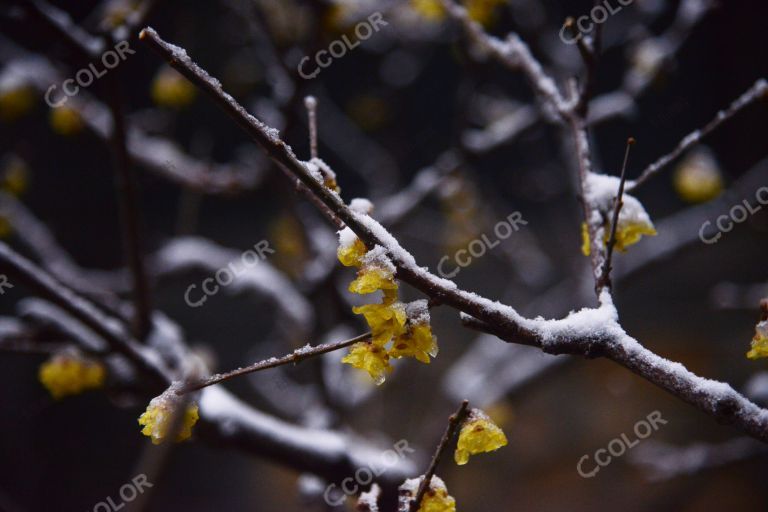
[16, 102]
[14, 178]
[171, 89]
[66, 121]
[697, 179]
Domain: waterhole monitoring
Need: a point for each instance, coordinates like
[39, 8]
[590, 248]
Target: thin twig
[454, 422]
[294, 357]
[757, 91]
[605, 278]
[129, 213]
[42, 284]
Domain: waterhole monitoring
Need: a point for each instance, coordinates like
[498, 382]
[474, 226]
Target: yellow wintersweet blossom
[372, 278]
[633, 223]
[629, 233]
[352, 255]
[698, 179]
[15, 177]
[66, 121]
[418, 342]
[16, 102]
[386, 320]
[5, 227]
[370, 357]
[431, 10]
[481, 11]
[478, 435]
[171, 89]
[158, 418]
[759, 341]
[436, 498]
[70, 374]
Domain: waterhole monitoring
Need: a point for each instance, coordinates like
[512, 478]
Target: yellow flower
[481, 11]
[371, 358]
[16, 102]
[478, 435]
[15, 177]
[431, 10]
[66, 121]
[418, 342]
[585, 243]
[70, 374]
[352, 255]
[159, 416]
[372, 278]
[629, 233]
[698, 178]
[759, 341]
[5, 227]
[436, 499]
[386, 320]
[634, 222]
[171, 89]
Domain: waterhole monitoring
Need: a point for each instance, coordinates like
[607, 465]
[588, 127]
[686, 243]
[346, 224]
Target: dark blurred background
[68, 455]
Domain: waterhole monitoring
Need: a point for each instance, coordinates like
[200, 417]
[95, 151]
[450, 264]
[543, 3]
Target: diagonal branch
[757, 91]
[454, 422]
[294, 357]
[44, 285]
[589, 332]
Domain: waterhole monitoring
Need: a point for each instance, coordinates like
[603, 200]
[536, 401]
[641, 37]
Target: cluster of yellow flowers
[759, 341]
[479, 434]
[158, 419]
[481, 11]
[70, 374]
[406, 326]
[633, 222]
